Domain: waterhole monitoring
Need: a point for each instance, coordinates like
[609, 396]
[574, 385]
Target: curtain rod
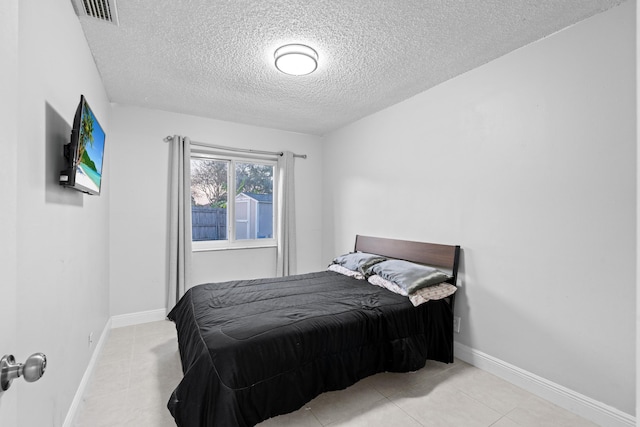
[239, 150]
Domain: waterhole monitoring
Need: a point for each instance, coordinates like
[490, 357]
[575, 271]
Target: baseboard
[597, 412]
[77, 398]
[138, 318]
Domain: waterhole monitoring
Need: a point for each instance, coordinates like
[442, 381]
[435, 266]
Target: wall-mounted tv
[84, 153]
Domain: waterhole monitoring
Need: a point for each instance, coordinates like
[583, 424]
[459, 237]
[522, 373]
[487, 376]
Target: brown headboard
[444, 256]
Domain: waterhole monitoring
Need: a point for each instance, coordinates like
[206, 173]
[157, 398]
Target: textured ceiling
[214, 58]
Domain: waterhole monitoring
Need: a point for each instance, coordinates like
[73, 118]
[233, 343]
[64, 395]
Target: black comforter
[255, 349]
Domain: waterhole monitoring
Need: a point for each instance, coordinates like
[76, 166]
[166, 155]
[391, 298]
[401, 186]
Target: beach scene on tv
[90, 151]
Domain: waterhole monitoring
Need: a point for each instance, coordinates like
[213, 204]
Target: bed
[254, 349]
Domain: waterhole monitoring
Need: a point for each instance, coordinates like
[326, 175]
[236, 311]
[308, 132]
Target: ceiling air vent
[104, 10]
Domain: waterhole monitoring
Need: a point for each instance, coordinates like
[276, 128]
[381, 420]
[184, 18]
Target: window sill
[233, 248]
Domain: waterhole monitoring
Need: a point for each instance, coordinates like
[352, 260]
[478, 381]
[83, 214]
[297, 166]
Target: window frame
[231, 242]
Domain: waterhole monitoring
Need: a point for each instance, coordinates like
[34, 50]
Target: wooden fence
[209, 223]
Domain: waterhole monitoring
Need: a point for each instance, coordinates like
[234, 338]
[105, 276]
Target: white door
[8, 197]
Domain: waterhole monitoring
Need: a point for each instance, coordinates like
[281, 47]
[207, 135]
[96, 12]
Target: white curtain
[179, 220]
[286, 259]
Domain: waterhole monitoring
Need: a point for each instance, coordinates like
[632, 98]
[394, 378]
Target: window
[232, 202]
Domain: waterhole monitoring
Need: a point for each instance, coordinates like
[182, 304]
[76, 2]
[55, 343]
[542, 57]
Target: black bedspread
[255, 349]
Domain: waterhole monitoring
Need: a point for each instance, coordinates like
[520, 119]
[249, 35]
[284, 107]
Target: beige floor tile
[536, 412]
[122, 339]
[337, 405]
[505, 422]
[118, 352]
[157, 416]
[162, 327]
[109, 378]
[445, 406]
[162, 367]
[122, 333]
[300, 418]
[149, 395]
[486, 388]
[118, 347]
[379, 414]
[107, 410]
[391, 383]
[153, 343]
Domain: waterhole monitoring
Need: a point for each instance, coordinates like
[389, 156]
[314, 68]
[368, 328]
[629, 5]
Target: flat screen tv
[84, 153]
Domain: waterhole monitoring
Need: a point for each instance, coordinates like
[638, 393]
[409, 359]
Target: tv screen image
[85, 153]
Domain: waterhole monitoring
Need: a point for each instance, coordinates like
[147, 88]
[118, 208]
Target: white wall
[62, 235]
[529, 163]
[8, 195]
[139, 204]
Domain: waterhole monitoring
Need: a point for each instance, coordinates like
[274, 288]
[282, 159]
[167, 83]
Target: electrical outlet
[90, 339]
[456, 324]
[459, 282]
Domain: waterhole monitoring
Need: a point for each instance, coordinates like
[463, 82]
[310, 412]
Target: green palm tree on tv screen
[86, 134]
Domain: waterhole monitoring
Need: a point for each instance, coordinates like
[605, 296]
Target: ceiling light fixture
[296, 59]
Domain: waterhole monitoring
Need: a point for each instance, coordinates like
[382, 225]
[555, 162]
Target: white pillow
[343, 270]
[422, 295]
[435, 292]
[384, 283]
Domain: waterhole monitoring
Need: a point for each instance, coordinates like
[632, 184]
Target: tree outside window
[251, 207]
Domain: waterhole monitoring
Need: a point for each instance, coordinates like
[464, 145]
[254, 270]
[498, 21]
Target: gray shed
[254, 216]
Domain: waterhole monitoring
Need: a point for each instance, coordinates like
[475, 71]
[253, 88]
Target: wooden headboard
[443, 256]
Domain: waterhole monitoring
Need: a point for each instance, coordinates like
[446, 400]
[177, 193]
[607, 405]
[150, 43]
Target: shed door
[242, 219]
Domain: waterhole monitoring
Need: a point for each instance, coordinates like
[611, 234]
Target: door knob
[31, 370]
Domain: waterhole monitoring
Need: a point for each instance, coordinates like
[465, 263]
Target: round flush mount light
[296, 59]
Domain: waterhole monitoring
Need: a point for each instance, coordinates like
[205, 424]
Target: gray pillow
[409, 276]
[358, 261]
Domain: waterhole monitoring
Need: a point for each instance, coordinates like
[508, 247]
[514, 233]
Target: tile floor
[139, 367]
